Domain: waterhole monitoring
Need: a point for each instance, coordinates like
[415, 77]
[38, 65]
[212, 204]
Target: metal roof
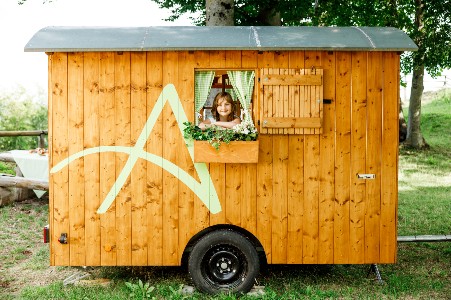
[166, 38]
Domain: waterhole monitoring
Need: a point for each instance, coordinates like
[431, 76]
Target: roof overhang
[265, 38]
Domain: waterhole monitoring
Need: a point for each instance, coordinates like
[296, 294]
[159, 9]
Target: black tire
[223, 261]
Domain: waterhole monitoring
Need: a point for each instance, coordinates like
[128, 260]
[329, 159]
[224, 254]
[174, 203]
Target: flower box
[233, 152]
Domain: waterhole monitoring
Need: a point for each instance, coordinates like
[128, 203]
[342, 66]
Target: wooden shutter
[291, 101]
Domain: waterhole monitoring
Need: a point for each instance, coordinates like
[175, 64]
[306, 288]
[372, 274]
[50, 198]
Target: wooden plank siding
[75, 131]
[59, 185]
[138, 84]
[327, 163]
[107, 126]
[302, 201]
[358, 158]
[342, 248]
[51, 139]
[154, 173]
[122, 92]
[91, 162]
[295, 205]
[389, 168]
[171, 148]
[373, 161]
[190, 208]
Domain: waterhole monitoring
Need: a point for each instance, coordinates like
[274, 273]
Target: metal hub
[224, 265]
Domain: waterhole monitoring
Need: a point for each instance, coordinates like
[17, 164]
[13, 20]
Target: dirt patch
[26, 277]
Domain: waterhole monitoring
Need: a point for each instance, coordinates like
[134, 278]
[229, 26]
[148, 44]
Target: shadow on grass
[435, 160]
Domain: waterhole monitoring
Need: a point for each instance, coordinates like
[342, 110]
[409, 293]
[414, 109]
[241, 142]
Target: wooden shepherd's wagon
[319, 186]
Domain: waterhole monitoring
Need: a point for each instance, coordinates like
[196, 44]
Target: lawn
[423, 270]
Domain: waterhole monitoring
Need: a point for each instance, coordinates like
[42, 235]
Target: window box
[234, 152]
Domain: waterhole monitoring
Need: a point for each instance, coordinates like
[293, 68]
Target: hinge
[327, 101]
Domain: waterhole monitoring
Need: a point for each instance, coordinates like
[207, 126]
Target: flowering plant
[215, 135]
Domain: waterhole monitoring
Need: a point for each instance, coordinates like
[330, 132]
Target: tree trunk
[414, 137]
[402, 124]
[270, 17]
[219, 13]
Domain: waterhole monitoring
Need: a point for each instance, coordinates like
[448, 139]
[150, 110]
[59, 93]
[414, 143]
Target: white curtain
[203, 81]
[243, 86]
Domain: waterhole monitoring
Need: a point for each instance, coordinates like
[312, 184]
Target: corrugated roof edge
[170, 38]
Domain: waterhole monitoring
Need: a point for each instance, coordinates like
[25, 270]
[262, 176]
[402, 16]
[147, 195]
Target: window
[239, 83]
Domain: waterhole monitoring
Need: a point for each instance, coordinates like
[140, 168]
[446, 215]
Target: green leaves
[140, 290]
[216, 135]
[21, 109]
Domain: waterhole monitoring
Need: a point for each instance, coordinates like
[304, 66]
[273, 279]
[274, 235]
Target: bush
[22, 109]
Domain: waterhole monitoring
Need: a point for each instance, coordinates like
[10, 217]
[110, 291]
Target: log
[20, 182]
[39, 133]
[24, 133]
[6, 157]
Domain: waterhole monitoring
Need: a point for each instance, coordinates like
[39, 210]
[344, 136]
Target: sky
[18, 23]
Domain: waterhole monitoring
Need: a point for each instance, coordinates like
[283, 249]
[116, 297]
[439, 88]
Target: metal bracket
[82, 272]
[374, 269]
[75, 277]
[63, 238]
[366, 176]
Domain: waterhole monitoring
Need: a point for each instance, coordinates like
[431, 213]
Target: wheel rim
[224, 266]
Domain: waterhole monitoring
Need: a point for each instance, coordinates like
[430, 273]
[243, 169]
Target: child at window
[223, 111]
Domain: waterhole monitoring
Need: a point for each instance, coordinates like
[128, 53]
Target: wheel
[223, 260]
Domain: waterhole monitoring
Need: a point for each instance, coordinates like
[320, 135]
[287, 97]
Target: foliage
[432, 37]
[21, 110]
[7, 168]
[247, 12]
[215, 135]
[140, 290]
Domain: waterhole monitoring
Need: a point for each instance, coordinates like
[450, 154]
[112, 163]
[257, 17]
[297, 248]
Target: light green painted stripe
[204, 190]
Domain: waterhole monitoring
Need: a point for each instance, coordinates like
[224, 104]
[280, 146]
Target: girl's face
[224, 108]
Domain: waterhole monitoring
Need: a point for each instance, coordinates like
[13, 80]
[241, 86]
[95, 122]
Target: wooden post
[41, 143]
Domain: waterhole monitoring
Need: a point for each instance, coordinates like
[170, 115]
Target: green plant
[7, 168]
[215, 135]
[140, 290]
[177, 293]
[20, 110]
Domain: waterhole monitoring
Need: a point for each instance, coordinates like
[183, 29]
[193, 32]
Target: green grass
[436, 121]
[21, 231]
[7, 168]
[425, 176]
[59, 291]
[422, 271]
